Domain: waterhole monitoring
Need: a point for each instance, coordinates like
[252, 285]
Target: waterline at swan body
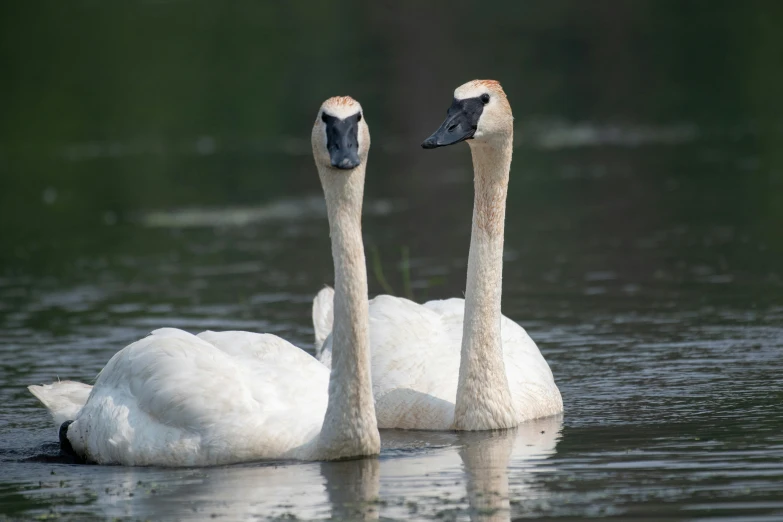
[176, 399]
[460, 364]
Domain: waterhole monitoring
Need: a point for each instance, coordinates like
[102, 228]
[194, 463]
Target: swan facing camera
[342, 140]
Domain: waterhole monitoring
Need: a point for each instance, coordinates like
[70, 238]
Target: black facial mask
[461, 123]
[342, 140]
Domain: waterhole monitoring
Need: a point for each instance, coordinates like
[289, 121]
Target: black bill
[460, 124]
[342, 140]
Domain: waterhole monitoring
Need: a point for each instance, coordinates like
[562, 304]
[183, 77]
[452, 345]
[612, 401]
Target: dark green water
[155, 171]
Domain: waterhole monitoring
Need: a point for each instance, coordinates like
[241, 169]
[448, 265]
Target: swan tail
[63, 399]
[323, 316]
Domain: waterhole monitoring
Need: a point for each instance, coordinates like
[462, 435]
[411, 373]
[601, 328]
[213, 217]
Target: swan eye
[359, 117]
[323, 117]
[484, 98]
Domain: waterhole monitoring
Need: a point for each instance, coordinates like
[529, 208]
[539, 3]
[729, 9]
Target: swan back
[176, 399]
[323, 318]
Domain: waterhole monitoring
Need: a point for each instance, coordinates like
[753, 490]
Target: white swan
[459, 364]
[176, 399]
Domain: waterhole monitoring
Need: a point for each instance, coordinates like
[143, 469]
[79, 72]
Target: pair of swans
[177, 399]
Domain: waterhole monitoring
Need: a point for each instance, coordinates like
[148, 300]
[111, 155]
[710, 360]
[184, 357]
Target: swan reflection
[471, 476]
[468, 475]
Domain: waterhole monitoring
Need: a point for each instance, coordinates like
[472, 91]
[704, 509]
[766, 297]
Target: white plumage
[177, 399]
[459, 364]
[323, 317]
[63, 399]
[415, 363]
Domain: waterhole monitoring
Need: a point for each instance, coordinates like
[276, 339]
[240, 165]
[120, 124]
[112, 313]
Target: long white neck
[349, 428]
[483, 396]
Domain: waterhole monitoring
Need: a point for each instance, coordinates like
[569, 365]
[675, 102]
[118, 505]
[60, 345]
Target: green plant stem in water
[377, 270]
[405, 268]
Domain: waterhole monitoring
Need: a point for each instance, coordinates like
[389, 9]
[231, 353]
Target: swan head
[480, 111]
[341, 138]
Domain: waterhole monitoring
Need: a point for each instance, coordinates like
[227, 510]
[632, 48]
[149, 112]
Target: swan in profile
[458, 364]
[177, 399]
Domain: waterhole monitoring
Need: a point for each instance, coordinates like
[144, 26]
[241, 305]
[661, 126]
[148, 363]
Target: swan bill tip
[429, 143]
[65, 444]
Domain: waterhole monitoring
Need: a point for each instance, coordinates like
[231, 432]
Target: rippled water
[665, 335]
[155, 171]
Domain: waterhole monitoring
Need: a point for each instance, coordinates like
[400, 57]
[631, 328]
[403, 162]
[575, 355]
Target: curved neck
[349, 428]
[483, 396]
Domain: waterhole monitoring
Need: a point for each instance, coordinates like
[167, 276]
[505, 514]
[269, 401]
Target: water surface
[157, 177]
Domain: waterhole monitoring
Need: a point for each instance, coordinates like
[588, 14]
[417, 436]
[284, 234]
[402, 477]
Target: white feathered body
[460, 364]
[176, 399]
[415, 364]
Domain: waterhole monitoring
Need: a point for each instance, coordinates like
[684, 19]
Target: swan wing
[416, 355]
[415, 367]
[415, 362]
[323, 317]
[530, 379]
[177, 399]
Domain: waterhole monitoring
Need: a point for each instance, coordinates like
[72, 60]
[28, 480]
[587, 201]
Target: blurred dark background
[632, 118]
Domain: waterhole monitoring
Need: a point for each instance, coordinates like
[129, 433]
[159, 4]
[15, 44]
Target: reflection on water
[155, 171]
[353, 489]
[475, 474]
[655, 297]
[418, 475]
[486, 466]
